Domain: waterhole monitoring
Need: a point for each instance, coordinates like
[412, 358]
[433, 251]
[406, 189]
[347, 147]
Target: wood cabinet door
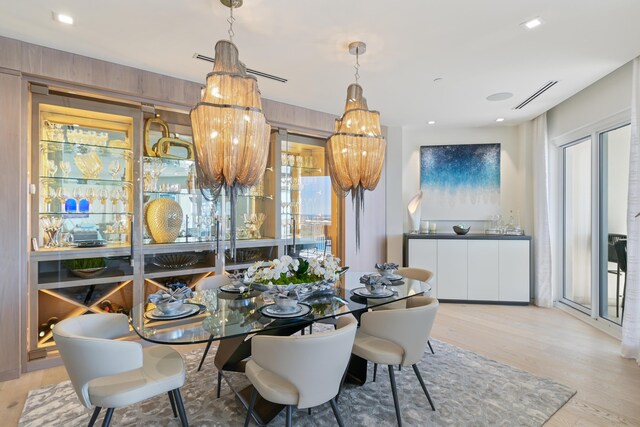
[514, 270]
[452, 269]
[423, 253]
[484, 270]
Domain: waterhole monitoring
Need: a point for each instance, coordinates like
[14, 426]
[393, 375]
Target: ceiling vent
[249, 70]
[536, 94]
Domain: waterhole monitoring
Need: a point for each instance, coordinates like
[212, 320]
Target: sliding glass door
[577, 224]
[614, 185]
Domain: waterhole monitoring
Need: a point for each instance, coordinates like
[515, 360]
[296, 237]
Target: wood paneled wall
[21, 62]
[12, 217]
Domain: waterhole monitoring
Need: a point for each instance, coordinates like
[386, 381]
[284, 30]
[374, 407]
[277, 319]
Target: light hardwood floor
[545, 342]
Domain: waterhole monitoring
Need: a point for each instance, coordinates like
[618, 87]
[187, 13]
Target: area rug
[467, 389]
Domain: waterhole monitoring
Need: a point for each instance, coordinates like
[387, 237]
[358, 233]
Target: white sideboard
[475, 267]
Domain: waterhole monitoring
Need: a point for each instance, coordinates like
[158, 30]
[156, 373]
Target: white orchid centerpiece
[291, 271]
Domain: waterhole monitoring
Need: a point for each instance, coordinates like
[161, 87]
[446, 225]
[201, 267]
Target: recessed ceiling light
[500, 119]
[62, 18]
[532, 23]
[431, 122]
[500, 96]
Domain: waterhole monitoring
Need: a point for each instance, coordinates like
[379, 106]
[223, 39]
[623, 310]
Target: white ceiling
[477, 47]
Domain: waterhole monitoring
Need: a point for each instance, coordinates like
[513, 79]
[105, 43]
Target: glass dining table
[233, 318]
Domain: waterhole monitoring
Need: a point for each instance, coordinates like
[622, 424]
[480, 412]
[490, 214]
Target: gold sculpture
[164, 219]
[163, 146]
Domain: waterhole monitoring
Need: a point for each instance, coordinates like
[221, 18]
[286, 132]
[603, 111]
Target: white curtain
[631, 320]
[541, 234]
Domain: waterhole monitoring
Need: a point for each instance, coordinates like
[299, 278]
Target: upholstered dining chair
[212, 282]
[421, 275]
[397, 337]
[301, 371]
[107, 373]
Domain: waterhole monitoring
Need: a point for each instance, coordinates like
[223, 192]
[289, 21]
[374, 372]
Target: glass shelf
[68, 147]
[174, 162]
[94, 181]
[83, 214]
[301, 168]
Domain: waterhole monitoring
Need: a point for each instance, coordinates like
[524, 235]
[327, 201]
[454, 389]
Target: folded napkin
[374, 279]
[387, 266]
[170, 295]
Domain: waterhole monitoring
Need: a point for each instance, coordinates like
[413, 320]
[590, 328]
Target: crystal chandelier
[230, 132]
[355, 152]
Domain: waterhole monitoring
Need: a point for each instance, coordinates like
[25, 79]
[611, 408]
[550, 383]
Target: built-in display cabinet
[116, 212]
[473, 268]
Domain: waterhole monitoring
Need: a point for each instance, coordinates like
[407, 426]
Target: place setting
[286, 305]
[375, 286]
[172, 304]
[387, 270]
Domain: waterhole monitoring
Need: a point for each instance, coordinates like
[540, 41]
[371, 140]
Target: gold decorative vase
[163, 218]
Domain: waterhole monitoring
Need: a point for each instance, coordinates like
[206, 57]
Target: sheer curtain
[631, 320]
[541, 234]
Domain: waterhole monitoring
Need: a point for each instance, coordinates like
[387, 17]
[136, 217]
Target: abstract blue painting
[460, 182]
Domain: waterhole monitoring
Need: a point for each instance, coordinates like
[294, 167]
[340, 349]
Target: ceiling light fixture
[62, 18]
[355, 152]
[500, 119]
[431, 122]
[230, 132]
[532, 23]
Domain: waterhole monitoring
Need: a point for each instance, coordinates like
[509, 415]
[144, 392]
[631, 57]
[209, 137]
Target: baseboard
[11, 374]
[464, 301]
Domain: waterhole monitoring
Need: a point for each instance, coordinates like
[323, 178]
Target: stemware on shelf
[52, 168]
[65, 167]
[114, 168]
[51, 226]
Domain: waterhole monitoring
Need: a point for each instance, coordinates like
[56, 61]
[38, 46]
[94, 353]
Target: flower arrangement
[287, 270]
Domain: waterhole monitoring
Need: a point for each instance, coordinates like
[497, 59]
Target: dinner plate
[233, 289]
[272, 310]
[187, 310]
[393, 277]
[363, 292]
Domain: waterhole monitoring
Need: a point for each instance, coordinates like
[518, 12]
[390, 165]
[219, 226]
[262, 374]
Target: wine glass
[90, 194]
[207, 221]
[77, 194]
[116, 195]
[65, 167]
[52, 168]
[62, 195]
[114, 168]
[197, 221]
[103, 194]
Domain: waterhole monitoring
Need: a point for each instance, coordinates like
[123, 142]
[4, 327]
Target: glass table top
[226, 314]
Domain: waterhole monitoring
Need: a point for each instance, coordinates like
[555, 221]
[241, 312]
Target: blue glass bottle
[70, 205]
[83, 206]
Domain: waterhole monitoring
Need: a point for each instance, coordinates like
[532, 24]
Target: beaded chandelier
[355, 152]
[230, 132]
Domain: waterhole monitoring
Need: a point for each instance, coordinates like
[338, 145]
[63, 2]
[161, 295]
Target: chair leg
[430, 348]
[252, 403]
[173, 404]
[289, 416]
[375, 371]
[336, 413]
[424, 387]
[94, 416]
[618, 292]
[204, 355]
[107, 418]
[394, 391]
[399, 367]
[180, 405]
[624, 293]
[219, 383]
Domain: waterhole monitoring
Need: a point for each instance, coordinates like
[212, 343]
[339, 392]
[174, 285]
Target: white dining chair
[397, 337]
[301, 371]
[417, 274]
[106, 373]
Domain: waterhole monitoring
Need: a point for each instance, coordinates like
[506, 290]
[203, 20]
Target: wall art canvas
[460, 182]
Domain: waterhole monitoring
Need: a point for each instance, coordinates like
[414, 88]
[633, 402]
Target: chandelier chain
[357, 66]
[231, 20]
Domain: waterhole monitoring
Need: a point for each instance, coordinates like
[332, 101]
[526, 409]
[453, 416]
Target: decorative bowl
[375, 288]
[171, 307]
[287, 301]
[173, 261]
[89, 164]
[87, 273]
[461, 229]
